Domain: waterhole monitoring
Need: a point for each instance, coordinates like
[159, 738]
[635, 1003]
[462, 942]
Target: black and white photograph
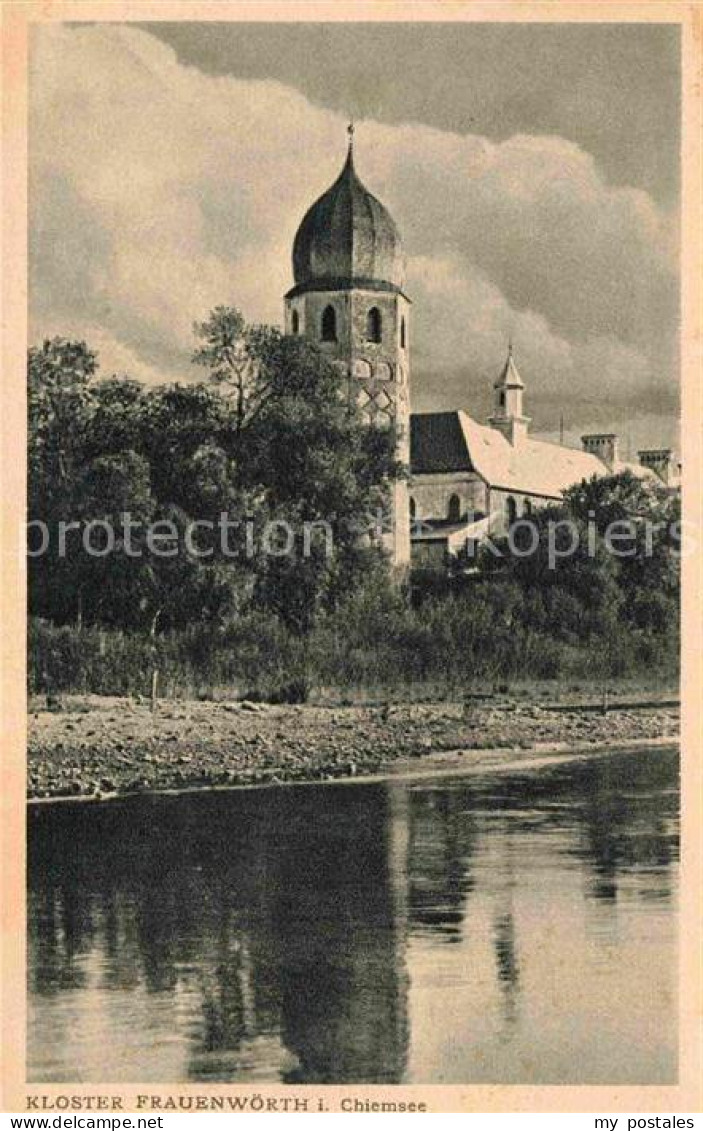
[354, 545]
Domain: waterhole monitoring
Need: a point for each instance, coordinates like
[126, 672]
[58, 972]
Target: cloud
[463, 322]
[158, 191]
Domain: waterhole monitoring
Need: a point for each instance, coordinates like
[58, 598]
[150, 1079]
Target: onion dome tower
[348, 297]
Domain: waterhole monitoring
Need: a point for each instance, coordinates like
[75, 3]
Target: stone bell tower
[348, 298]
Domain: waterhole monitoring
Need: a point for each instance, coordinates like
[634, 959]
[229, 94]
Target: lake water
[518, 928]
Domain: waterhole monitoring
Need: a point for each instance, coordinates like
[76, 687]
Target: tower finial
[350, 132]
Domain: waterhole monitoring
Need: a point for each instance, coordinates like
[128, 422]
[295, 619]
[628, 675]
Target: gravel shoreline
[105, 747]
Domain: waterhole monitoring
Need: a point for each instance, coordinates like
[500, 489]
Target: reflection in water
[442, 836]
[504, 932]
[483, 930]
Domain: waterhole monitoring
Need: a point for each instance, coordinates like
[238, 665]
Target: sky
[533, 171]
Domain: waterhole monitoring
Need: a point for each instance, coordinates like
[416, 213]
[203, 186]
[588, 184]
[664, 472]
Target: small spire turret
[507, 416]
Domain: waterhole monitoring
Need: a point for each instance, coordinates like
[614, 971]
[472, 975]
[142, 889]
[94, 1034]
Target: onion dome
[347, 239]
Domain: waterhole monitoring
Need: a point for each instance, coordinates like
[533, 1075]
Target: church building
[466, 479]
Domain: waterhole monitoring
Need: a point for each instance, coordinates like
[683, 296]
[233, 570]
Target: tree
[235, 356]
[110, 572]
[59, 383]
[323, 472]
[604, 588]
[301, 449]
[271, 438]
[116, 419]
[59, 374]
[647, 576]
[176, 422]
[565, 579]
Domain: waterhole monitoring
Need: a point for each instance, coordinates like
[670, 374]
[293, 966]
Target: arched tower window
[501, 399]
[454, 509]
[295, 322]
[402, 333]
[373, 325]
[527, 509]
[510, 510]
[329, 324]
[413, 508]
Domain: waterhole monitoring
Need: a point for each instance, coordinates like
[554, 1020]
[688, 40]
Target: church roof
[453, 441]
[347, 238]
[437, 443]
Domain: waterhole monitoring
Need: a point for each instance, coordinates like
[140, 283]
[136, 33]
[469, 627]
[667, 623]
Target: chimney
[604, 445]
[660, 461]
